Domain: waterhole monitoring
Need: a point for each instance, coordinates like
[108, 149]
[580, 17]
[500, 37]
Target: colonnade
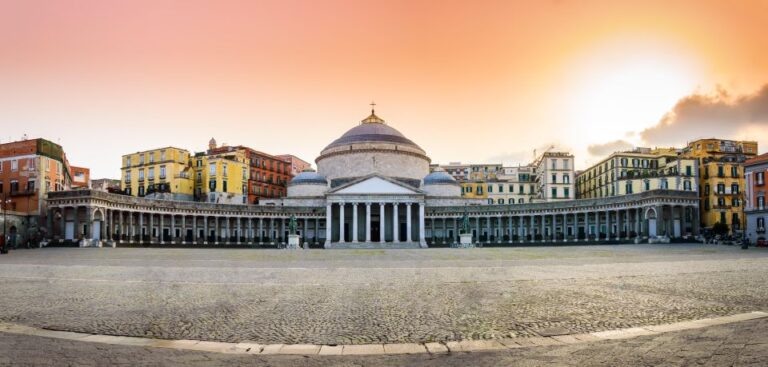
[619, 224]
[375, 222]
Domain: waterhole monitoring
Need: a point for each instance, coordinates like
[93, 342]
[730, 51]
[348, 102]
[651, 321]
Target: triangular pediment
[375, 185]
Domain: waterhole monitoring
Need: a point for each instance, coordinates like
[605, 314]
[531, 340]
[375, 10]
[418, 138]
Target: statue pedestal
[294, 241]
[465, 240]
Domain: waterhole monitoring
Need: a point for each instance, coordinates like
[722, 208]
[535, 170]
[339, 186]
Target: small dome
[308, 177]
[439, 177]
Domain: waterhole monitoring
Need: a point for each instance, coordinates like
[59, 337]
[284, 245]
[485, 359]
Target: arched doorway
[651, 215]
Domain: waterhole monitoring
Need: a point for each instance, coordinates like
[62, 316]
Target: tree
[720, 228]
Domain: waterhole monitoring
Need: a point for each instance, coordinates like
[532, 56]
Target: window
[554, 178]
[141, 190]
[127, 176]
[14, 165]
[212, 185]
[721, 188]
[734, 171]
[501, 188]
[245, 174]
[664, 184]
[224, 185]
[521, 201]
[199, 162]
[199, 177]
[706, 189]
[212, 169]
[647, 185]
[628, 187]
[490, 201]
[687, 185]
[554, 164]
[565, 164]
[490, 188]
[521, 189]
[141, 174]
[479, 189]
[152, 173]
[501, 201]
[735, 202]
[761, 223]
[760, 202]
[141, 159]
[224, 170]
[162, 172]
[688, 170]
[152, 157]
[554, 192]
[1, 187]
[512, 188]
[31, 185]
[734, 188]
[162, 155]
[566, 178]
[468, 189]
[760, 178]
[566, 192]
[720, 171]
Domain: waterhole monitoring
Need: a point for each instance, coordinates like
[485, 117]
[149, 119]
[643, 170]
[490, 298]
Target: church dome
[439, 177]
[372, 129]
[308, 177]
[372, 147]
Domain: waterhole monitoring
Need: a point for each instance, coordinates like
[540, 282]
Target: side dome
[439, 177]
[307, 183]
[308, 177]
[440, 183]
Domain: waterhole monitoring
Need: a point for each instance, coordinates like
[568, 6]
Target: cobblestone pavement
[376, 296]
[737, 344]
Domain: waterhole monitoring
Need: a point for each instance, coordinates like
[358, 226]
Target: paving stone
[303, 349]
[404, 348]
[364, 349]
[331, 350]
[436, 348]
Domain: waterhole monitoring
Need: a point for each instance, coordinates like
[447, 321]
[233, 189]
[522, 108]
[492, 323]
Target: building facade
[373, 188]
[81, 177]
[554, 175]
[755, 209]
[296, 164]
[30, 170]
[721, 179]
[221, 175]
[638, 170]
[163, 173]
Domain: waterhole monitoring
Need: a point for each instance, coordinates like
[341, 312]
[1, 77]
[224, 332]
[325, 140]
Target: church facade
[372, 188]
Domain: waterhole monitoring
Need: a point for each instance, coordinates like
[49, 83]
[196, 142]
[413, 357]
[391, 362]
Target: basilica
[372, 189]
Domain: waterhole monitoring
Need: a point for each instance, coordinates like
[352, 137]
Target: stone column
[141, 226]
[205, 230]
[367, 222]
[445, 229]
[261, 226]
[477, 228]
[341, 222]
[121, 228]
[354, 222]
[282, 230]
[618, 225]
[382, 229]
[422, 239]
[173, 228]
[305, 230]
[597, 224]
[521, 228]
[239, 230]
[151, 226]
[328, 224]
[317, 231]
[489, 222]
[408, 222]
[395, 223]
[160, 229]
[608, 225]
[194, 229]
[183, 231]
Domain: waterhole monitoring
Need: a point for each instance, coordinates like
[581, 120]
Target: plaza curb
[254, 348]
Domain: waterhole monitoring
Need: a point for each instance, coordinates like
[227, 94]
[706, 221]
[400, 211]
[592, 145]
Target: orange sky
[470, 81]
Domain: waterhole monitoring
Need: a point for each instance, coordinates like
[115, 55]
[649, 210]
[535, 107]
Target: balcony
[23, 193]
[760, 230]
[722, 207]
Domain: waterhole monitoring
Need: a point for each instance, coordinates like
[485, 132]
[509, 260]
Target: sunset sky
[470, 81]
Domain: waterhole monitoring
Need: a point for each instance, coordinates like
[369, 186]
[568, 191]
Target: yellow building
[474, 189]
[221, 177]
[636, 171]
[160, 173]
[721, 181]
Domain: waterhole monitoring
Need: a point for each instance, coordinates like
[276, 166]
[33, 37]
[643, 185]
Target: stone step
[374, 245]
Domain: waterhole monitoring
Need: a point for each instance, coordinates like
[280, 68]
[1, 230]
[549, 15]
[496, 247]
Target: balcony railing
[23, 192]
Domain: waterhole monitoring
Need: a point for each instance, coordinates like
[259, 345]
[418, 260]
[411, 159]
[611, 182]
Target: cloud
[526, 156]
[599, 150]
[718, 115]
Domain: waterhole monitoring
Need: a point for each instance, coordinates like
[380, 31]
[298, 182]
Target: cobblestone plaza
[376, 296]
